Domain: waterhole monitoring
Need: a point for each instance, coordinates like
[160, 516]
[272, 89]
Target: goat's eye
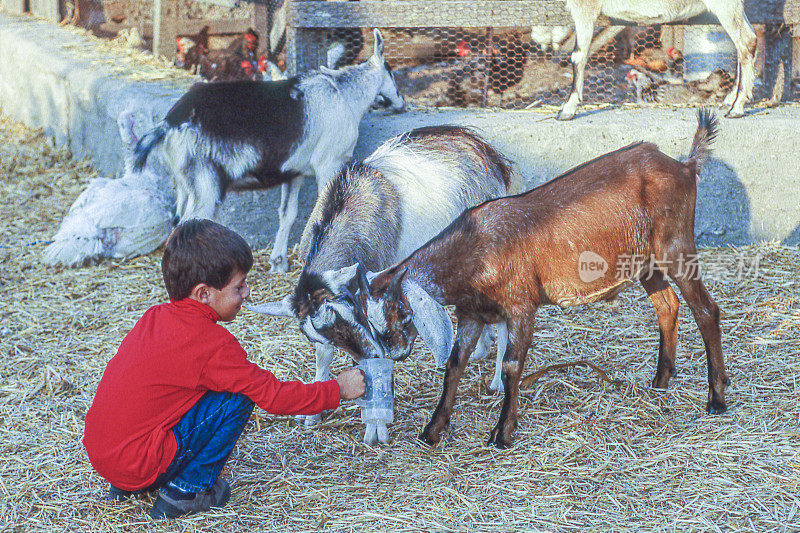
[405, 319]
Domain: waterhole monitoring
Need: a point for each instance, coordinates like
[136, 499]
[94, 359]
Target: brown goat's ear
[395, 287]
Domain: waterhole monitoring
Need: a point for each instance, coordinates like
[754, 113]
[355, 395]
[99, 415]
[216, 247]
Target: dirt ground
[589, 455]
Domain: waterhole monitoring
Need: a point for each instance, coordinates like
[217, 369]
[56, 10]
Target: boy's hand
[351, 383]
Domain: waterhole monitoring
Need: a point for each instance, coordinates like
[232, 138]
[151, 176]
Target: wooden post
[778, 61]
[165, 22]
[672, 36]
[47, 9]
[796, 52]
[13, 6]
[261, 25]
[306, 48]
[487, 67]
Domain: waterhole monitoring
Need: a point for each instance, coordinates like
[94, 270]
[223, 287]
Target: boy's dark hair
[202, 251]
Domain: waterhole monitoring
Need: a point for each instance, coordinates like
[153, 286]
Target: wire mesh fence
[519, 68]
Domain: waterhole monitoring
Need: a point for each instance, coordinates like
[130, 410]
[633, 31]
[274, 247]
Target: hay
[589, 456]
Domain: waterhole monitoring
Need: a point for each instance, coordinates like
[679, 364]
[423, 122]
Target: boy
[174, 399]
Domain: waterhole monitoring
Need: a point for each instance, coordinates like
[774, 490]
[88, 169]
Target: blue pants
[206, 436]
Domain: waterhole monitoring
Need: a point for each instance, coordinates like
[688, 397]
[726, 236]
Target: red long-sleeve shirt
[174, 354]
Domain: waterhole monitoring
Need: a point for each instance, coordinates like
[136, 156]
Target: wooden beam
[215, 26]
[187, 27]
[424, 13]
[470, 13]
[796, 57]
[224, 3]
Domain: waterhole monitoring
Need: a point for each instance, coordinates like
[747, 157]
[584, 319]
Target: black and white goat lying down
[277, 132]
[375, 213]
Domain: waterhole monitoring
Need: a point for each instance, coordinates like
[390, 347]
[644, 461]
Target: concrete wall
[748, 192]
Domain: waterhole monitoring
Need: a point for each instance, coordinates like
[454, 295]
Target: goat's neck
[433, 280]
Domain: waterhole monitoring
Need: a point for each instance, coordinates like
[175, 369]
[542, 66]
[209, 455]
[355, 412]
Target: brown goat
[582, 237]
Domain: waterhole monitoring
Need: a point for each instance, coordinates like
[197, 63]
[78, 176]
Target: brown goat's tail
[706, 132]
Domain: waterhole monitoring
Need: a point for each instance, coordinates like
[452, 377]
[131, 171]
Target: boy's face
[227, 301]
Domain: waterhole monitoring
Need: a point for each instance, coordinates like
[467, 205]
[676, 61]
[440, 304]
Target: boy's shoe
[169, 504]
[116, 494]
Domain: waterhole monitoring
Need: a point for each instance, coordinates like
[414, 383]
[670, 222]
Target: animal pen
[515, 54]
[597, 449]
[504, 53]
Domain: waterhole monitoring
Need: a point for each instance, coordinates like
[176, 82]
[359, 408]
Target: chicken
[653, 87]
[221, 65]
[656, 59]
[503, 62]
[114, 218]
[245, 46]
[237, 62]
[271, 71]
[191, 49]
[642, 84]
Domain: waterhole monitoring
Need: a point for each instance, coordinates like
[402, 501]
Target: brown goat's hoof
[497, 440]
[660, 384]
[428, 439]
[716, 407]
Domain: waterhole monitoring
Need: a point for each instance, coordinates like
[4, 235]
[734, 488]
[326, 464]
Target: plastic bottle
[377, 403]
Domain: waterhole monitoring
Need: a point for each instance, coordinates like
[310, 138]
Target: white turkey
[114, 218]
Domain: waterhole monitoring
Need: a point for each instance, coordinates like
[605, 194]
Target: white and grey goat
[729, 12]
[375, 213]
[114, 218]
[277, 132]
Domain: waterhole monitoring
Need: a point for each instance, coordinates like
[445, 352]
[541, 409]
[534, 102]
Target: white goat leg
[502, 344]
[287, 214]
[324, 354]
[483, 344]
[204, 193]
[371, 434]
[376, 434]
[383, 434]
[744, 38]
[584, 26]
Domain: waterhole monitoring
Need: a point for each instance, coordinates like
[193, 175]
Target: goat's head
[388, 93]
[330, 309]
[398, 309]
[390, 318]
